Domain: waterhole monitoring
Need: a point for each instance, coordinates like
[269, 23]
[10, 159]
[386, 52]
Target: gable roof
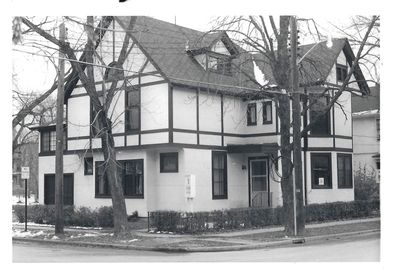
[166, 43]
[316, 66]
[368, 102]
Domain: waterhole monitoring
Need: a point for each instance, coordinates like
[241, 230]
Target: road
[360, 249]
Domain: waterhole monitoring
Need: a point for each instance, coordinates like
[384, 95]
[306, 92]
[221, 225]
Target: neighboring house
[189, 132]
[366, 132]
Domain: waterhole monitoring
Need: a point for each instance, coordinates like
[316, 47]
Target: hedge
[196, 222]
[81, 216]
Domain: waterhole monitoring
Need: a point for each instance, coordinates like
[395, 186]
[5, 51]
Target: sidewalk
[224, 241]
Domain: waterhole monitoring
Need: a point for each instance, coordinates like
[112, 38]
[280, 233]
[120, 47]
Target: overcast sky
[36, 74]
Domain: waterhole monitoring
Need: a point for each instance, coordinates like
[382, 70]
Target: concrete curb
[271, 244]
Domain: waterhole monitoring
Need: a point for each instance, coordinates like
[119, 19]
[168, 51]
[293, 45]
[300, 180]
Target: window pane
[259, 168]
[133, 118]
[259, 183]
[219, 174]
[251, 114]
[267, 112]
[321, 170]
[168, 162]
[322, 120]
[52, 140]
[45, 141]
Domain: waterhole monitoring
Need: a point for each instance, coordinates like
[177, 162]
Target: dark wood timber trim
[170, 114]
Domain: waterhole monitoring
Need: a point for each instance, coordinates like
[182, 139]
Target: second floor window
[322, 124]
[252, 114]
[94, 119]
[378, 129]
[132, 116]
[267, 112]
[48, 141]
[341, 72]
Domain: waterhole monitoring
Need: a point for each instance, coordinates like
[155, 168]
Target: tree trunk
[286, 163]
[113, 176]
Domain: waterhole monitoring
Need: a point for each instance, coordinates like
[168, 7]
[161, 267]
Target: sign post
[25, 175]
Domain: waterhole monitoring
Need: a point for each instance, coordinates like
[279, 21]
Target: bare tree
[83, 69]
[257, 35]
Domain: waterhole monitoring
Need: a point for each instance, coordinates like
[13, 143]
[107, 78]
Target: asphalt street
[358, 249]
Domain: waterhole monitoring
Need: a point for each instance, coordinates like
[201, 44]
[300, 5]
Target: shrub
[105, 216]
[82, 216]
[196, 222]
[365, 185]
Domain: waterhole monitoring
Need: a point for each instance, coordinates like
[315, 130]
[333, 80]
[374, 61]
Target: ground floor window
[219, 175]
[50, 192]
[131, 174]
[321, 170]
[345, 172]
[169, 162]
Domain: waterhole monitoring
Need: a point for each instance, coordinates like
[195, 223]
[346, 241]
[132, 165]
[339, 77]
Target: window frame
[136, 106]
[249, 107]
[223, 63]
[122, 173]
[341, 72]
[176, 158]
[378, 128]
[328, 120]
[225, 175]
[345, 156]
[48, 143]
[312, 162]
[86, 161]
[265, 105]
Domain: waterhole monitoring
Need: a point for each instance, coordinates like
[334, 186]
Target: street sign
[25, 172]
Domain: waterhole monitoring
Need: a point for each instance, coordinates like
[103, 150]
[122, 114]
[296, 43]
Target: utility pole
[298, 206]
[59, 181]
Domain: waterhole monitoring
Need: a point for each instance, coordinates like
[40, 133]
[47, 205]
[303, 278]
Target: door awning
[253, 148]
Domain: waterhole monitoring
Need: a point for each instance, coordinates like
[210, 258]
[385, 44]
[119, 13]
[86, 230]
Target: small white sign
[321, 181]
[25, 172]
[190, 186]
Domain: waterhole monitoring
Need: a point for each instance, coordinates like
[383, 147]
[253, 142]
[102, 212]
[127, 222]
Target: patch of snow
[133, 240]
[55, 237]
[89, 234]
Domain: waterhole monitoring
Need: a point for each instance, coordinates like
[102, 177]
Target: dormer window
[220, 64]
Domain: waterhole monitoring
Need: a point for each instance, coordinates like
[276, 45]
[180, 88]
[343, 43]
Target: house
[366, 132]
[187, 135]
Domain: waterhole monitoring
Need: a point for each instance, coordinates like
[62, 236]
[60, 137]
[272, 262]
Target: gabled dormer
[214, 55]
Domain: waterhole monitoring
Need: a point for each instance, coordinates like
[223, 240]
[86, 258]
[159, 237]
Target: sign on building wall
[190, 186]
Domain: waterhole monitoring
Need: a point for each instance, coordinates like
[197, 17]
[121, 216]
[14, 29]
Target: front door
[68, 190]
[259, 183]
